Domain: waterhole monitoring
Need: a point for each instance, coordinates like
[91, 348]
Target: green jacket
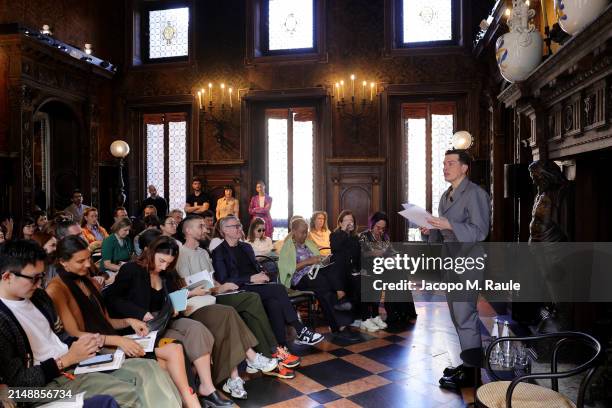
[287, 259]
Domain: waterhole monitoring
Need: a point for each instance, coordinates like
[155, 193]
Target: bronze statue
[552, 186]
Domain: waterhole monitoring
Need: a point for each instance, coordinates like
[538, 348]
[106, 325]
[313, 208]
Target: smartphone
[99, 359]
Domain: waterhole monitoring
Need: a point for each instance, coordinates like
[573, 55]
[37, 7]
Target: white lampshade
[119, 149]
[462, 140]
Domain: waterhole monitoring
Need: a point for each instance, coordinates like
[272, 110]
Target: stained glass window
[428, 132]
[303, 176]
[167, 143]
[290, 24]
[177, 171]
[441, 139]
[427, 20]
[301, 159]
[155, 157]
[169, 33]
[277, 175]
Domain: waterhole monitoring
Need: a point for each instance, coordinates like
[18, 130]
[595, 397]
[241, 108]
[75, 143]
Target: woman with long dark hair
[260, 206]
[141, 292]
[82, 310]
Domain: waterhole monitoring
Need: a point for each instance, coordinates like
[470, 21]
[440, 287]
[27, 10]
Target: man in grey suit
[464, 216]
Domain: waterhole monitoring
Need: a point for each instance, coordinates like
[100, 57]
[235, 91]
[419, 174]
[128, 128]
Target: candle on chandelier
[210, 92]
[353, 85]
[337, 90]
[342, 87]
[371, 91]
[230, 90]
[222, 94]
[200, 99]
[363, 89]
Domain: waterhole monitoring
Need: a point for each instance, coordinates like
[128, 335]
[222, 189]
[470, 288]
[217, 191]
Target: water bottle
[507, 349]
[494, 358]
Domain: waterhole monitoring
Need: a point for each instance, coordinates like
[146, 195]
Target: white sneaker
[356, 323]
[261, 363]
[369, 326]
[379, 322]
[235, 387]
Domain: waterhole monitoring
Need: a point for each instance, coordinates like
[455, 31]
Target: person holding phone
[76, 296]
[35, 351]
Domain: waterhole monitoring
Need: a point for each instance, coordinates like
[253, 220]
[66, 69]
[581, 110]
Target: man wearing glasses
[234, 261]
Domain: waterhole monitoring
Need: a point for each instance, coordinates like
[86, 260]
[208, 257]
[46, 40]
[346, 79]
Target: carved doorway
[60, 156]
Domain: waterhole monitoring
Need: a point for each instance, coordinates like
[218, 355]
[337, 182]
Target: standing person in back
[260, 206]
[228, 204]
[198, 201]
[77, 207]
[157, 201]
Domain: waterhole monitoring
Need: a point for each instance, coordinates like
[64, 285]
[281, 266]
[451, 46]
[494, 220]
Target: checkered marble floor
[399, 367]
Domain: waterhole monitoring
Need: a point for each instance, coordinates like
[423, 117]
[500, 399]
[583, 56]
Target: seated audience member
[77, 207]
[116, 248]
[234, 261]
[217, 237]
[193, 259]
[27, 226]
[177, 214]
[2, 235]
[93, 232]
[319, 231]
[65, 227]
[297, 259]
[157, 201]
[40, 218]
[7, 226]
[36, 351]
[140, 292]
[46, 241]
[81, 308]
[375, 242]
[150, 222]
[346, 258]
[278, 245]
[228, 204]
[261, 244]
[168, 228]
[120, 212]
[149, 210]
[209, 220]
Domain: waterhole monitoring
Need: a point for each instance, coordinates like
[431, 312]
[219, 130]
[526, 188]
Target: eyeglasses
[172, 223]
[260, 230]
[236, 226]
[34, 279]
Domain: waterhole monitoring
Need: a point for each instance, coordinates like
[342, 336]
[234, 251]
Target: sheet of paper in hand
[147, 342]
[416, 215]
[201, 279]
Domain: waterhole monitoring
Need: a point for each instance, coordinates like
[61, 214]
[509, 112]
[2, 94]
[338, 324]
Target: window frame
[290, 109]
[393, 36]
[139, 50]
[257, 47]
[165, 117]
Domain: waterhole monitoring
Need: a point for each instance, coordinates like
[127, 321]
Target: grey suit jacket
[469, 213]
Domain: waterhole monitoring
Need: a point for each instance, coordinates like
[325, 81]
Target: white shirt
[44, 342]
[262, 246]
[215, 242]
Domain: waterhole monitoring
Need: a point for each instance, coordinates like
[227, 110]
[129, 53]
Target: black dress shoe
[214, 400]
[461, 379]
[448, 371]
[343, 305]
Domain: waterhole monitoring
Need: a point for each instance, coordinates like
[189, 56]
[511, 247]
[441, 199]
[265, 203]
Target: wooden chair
[519, 393]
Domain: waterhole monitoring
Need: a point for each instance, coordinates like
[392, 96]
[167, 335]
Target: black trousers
[323, 287]
[278, 307]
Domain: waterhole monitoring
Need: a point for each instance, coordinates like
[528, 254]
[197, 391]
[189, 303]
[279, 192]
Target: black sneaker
[308, 337]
